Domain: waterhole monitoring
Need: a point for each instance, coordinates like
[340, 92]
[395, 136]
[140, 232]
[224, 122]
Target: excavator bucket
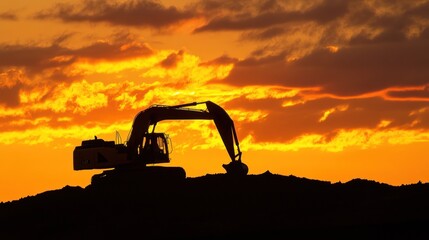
[236, 168]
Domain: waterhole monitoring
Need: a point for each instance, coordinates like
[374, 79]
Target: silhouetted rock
[220, 206]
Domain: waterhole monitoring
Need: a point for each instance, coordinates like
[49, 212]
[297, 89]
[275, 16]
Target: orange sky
[329, 90]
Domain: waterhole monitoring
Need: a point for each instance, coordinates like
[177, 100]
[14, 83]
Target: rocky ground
[265, 206]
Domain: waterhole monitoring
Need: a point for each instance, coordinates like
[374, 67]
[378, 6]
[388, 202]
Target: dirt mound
[219, 206]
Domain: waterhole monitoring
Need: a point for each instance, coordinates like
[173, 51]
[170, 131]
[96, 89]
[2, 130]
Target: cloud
[137, 13]
[53, 61]
[349, 71]
[38, 80]
[172, 60]
[323, 74]
[104, 50]
[249, 15]
[9, 96]
[29, 56]
[11, 16]
[330, 111]
[164, 76]
[265, 34]
[363, 49]
[298, 28]
[288, 123]
[222, 60]
[262, 19]
[421, 93]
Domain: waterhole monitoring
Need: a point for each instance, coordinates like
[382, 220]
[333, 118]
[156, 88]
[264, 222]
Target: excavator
[146, 147]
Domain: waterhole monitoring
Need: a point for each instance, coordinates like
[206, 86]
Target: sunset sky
[324, 89]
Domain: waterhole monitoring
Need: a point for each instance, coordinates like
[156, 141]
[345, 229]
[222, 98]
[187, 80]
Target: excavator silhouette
[145, 147]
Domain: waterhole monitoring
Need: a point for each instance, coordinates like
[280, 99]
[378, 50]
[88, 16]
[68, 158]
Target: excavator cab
[154, 148]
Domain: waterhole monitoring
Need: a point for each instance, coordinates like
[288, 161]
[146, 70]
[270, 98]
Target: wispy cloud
[8, 15]
[137, 13]
[248, 15]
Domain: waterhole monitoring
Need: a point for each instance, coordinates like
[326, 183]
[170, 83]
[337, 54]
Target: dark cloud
[62, 38]
[425, 34]
[326, 11]
[349, 71]
[109, 51]
[391, 28]
[222, 60]
[266, 14]
[249, 22]
[216, 6]
[420, 10]
[265, 34]
[314, 25]
[139, 13]
[9, 95]
[28, 56]
[36, 59]
[272, 14]
[172, 60]
[8, 16]
[382, 44]
[387, 21]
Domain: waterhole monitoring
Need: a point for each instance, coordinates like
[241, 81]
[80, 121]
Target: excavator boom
[155, 114]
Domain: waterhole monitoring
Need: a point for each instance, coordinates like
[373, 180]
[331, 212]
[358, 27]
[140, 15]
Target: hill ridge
[217, 206]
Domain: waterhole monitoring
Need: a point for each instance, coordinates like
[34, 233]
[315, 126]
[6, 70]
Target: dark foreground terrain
[265, 206]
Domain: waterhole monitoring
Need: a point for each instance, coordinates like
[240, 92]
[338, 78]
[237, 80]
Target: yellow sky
[329, 90]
